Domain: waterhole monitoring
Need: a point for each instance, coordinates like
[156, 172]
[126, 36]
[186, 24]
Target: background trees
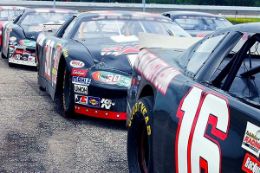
[255, 3]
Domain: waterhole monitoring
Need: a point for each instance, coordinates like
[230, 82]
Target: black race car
[198, 24]
[197, 110]
[8, 14]
[86, 66]
[19, 37]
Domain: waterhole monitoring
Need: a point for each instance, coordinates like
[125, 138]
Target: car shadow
[23, 67]
[104, 123]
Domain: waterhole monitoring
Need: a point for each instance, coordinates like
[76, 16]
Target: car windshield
[39, 21]
[202, 23]
[9, 14]
[109, 28]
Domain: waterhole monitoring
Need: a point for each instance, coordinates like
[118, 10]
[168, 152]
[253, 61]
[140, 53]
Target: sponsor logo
[80, 99]
[65, 53]
[78, 72]
[251, 141]
[107, 103]
[111, 78]
[94, 101]
[120, 50]
[251, 164]
[155, 70]
[77, 64]
[81, 80]
[81, 89]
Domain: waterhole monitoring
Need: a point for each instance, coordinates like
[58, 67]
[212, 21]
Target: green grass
[242, 20]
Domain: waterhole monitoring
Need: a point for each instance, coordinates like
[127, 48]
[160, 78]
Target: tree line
[255, 3]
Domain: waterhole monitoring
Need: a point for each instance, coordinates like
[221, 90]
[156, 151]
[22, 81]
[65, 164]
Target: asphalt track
[35, 138]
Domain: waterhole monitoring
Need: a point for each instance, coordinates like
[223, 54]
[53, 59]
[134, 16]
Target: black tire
[65, 99]
[42, 88]
[139, 139]
[11, 64]
[3, 56]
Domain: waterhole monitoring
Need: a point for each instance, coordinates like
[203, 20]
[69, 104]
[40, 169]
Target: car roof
[247, 27]
[193, 13]
[12, 8]
[128, 14]
[53, 10]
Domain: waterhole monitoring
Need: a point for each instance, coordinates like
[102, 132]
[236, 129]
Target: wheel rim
[143, 150]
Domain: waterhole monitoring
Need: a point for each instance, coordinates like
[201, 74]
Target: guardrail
[157, 8]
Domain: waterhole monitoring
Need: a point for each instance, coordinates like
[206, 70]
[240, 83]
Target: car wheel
[67, 95]
[3, 56]
[139, 137]
[8, 57]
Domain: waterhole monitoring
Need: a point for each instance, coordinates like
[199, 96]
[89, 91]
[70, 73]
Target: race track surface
[35, 138]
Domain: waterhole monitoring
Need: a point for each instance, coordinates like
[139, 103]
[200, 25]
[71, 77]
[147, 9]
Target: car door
[51, 48]
[237, 80]
[198, 126]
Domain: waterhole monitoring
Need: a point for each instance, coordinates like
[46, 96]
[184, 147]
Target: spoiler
[168, 42]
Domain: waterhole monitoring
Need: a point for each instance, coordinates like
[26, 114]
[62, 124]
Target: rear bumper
[103, 114]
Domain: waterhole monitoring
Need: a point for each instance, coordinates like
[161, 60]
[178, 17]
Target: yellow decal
[149, 130]
[146, 119]
[54, 71]
[65, 53]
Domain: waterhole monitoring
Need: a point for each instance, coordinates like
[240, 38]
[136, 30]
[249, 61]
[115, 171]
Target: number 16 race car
[86, 66]
[197, 110]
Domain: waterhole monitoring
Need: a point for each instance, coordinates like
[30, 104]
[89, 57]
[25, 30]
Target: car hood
[113, 54]
[32, 32]
[198, 33]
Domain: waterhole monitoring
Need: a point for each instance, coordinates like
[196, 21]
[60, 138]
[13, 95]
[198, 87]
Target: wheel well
[147, 91]
[60, 72]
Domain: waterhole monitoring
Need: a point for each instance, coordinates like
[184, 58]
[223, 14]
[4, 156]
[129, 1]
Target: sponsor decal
[250, 164]
[77, 64]
[13, 39]
[155, 70]
[78, 72]
[81, 80]
[27, 43]
[120, 50]
[111, 78]
[81, 89]
[41, 38]
[94, 101]
[81, 99]
[251, 140]
[65, 53]
[107, 103]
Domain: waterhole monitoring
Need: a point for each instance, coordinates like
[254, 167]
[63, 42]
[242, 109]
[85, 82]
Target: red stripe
[103, 114]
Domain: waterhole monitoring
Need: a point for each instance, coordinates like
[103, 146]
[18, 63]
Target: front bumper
[103, 114]
[22, 56]
[100, 102]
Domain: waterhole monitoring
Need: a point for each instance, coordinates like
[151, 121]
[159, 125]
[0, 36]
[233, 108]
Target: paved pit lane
[35, 138]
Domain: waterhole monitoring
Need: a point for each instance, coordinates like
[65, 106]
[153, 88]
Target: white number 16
[195, 149]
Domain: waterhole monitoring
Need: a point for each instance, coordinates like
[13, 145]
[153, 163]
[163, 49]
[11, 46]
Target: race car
[197, 110]
[7, 14]
[86, 66]
[19, 37]
[198, 24]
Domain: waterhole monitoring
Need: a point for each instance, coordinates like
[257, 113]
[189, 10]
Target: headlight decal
[111, 78]
[27, 43]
